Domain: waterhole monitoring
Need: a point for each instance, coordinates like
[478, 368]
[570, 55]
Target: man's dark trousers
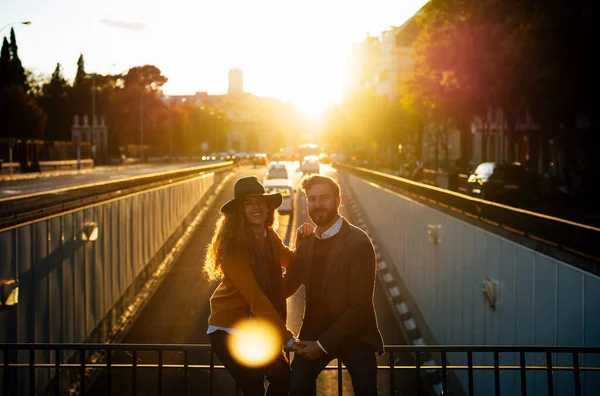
[359, 359]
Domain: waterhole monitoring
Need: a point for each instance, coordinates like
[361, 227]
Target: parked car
[310, 164]
[286, 188]
[507, 183]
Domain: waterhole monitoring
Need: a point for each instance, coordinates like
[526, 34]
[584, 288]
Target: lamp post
[142, 126]
[15, 23]
[93, 115]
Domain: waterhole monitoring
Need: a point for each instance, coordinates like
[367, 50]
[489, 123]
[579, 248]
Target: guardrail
[23, 208]
[52, 165]
[86, 361]
[546, 233]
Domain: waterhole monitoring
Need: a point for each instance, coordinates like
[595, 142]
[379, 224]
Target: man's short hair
[311, 180]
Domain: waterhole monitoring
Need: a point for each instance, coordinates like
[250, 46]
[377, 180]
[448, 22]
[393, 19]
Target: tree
[149, 77]
[5, 80]
[17, 72]
[35, 82]
[22, 117]
[80, 96]
[54, 100]
[80, 76]
[452, 67]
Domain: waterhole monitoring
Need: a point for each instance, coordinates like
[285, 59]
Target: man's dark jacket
[347, 288]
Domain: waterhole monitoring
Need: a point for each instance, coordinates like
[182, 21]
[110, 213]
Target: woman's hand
[303, 231]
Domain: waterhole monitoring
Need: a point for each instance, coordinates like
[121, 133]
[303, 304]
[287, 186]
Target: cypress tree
[5, 65]
[17, 72]
[80, 75]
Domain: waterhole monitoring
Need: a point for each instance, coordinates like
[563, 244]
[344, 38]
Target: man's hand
[311, 350]
[303, 231]
[296, 346]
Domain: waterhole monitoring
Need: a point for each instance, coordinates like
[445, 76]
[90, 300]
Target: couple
[335, 262]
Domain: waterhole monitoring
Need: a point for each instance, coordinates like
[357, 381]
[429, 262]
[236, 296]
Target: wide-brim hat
[250, 186]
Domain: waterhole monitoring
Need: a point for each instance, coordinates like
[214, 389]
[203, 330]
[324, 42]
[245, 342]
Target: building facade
[257, 124]
[95, 134]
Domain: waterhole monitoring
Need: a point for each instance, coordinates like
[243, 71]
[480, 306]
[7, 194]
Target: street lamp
[15, 23]
[142, 126]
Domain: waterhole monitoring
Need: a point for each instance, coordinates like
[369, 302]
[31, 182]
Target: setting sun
[290, 51]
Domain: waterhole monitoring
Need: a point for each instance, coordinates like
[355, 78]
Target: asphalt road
[99, 174]
[179, 310]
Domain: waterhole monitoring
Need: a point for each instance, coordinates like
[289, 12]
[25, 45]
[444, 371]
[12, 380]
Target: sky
[294, 51]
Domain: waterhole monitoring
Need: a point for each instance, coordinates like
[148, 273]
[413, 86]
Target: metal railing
[549, 232]
[24, 208]
[89, 359]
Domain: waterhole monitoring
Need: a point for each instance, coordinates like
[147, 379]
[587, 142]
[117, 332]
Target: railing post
[186, 361]
[160, 371]
[444, 374]
[392, 377]
[576, 374]
[57, 371]
[470, 372]
[496, 373]
[108, 372]
[339, 372]
[32, 372]
[549, 373]
[134, 374]
[523, 369]
[417, 372]
[82, 373]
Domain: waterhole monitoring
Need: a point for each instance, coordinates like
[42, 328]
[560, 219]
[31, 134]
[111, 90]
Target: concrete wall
[541, 301]
[73, 290]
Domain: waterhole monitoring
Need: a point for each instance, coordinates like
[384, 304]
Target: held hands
[303, 231]
[308, 349]
[296, 346]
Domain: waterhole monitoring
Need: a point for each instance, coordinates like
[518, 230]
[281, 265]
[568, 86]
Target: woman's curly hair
[232, 231]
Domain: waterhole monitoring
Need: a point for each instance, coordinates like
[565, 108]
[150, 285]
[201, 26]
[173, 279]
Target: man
[337, 266]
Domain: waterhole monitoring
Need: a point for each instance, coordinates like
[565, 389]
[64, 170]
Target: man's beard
[321, 216]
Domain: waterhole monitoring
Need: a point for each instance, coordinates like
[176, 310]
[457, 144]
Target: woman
[246, 254]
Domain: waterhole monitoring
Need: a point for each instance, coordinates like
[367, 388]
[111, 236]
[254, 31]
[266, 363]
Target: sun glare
[311, 108]
[255, 343]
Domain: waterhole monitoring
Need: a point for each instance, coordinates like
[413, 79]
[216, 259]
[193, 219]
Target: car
[286, 188]
[324, 158]
[278, 172]
[501, 182]
[259, 159]
[310, 164]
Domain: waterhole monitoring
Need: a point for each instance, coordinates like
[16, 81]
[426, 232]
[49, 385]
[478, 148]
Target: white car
[277, 170]
[286, 188]
[310, 164]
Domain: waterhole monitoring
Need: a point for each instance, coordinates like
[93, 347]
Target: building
[363, 65]
[236, 82]
[257, 124]
[96, 135]
[383, 63]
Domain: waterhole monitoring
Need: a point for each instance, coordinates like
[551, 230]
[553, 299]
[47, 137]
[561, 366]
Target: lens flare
[255, 343]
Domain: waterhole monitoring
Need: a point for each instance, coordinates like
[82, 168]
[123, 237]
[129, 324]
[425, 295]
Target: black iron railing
[436, 368]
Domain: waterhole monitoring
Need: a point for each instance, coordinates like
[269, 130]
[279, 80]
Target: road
[99, 174]
[179, 310]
